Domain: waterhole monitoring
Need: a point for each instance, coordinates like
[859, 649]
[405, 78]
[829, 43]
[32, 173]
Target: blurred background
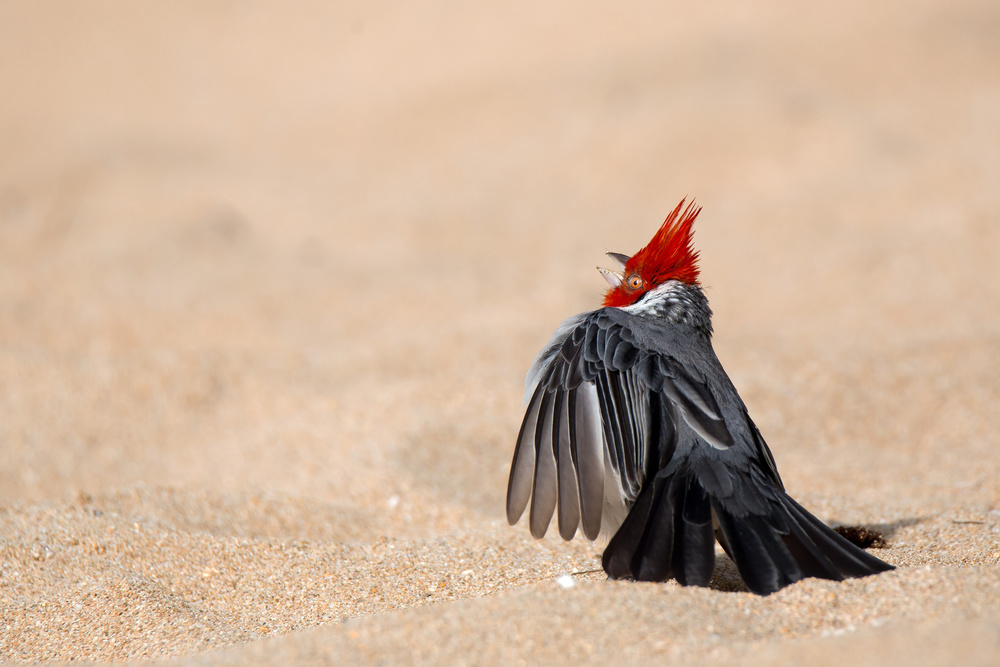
[309, 249]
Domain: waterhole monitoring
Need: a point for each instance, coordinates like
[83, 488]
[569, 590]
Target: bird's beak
[621, 259]
[614, 278]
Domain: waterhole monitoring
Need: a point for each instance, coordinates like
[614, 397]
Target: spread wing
[602, 403]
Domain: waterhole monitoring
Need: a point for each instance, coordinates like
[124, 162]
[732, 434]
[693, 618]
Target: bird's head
[668, 256]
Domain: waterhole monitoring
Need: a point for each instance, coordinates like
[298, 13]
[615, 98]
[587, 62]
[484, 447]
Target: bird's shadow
[889, 530]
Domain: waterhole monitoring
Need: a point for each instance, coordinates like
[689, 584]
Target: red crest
[668, 256]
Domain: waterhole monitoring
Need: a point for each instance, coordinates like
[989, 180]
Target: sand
[271, 275]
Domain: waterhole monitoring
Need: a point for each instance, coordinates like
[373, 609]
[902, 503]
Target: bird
[633, 430]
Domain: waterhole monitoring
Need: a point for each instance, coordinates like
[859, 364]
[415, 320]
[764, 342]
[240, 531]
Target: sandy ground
[271, 275]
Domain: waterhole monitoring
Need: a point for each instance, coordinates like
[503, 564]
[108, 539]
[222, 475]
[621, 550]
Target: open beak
[614, 278]
[621, 259]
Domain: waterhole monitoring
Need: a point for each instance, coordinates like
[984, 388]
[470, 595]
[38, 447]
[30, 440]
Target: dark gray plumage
[633, 426]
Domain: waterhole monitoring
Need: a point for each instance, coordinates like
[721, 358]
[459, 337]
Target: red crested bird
[634, 429]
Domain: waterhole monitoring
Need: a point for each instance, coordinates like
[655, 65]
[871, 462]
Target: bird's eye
[634, 281]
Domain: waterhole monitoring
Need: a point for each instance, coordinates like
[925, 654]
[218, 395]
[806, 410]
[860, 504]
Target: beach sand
[271, 275]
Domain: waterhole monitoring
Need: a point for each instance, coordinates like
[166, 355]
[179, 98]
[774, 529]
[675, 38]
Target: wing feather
[522, 470]
[601, 404]
[569, 497]
[589, 445]
[544, 492]
[695, 409]
[609, 421]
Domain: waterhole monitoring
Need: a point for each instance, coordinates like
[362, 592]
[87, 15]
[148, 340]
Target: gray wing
[600, 400]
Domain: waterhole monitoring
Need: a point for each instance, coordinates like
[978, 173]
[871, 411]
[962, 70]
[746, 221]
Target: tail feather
[848, 559]
[625, 545]
[669, 534]
[694, 548]
[758, 552]
[810, 557]
[651, 560]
